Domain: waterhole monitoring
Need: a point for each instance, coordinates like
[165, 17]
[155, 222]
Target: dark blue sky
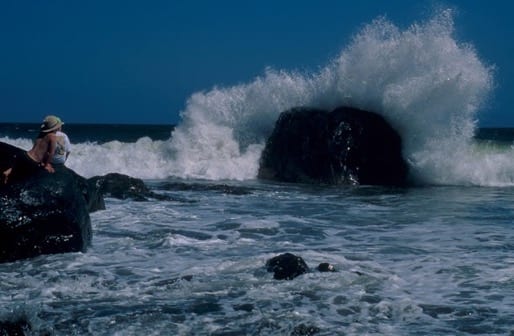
[138, 61]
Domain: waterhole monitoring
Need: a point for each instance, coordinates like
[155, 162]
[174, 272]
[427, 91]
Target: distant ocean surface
[436, 258]
[91, 133]
[102, 133]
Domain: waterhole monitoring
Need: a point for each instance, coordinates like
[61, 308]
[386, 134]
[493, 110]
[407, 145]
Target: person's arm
[52, 145]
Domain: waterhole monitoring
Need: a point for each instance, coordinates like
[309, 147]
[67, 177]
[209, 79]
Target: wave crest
[424, 82]
[428, 85]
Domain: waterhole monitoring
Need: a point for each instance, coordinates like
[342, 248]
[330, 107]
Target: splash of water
[424, 82]
[428, 85]
[223, 131]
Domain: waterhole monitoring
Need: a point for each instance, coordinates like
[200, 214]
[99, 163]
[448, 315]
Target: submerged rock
[326, 267]
[345, 146]
[305, 330]
[43, 213]
[286, 266]
[220, 188]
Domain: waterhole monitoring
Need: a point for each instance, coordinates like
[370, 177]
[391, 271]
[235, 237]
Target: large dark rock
[286, 266]
[43, 213]
[345, 146]
[124, 187]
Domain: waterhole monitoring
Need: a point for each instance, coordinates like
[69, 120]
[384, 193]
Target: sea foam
[428, 85]
[425, 82]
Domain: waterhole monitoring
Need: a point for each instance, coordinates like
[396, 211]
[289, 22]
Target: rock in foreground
[286, 266]
[43, 213]
[345, 146]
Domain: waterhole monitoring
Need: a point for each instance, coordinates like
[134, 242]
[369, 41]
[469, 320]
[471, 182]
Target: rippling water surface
[419, 261]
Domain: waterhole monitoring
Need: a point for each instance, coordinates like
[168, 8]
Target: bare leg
[6, 174]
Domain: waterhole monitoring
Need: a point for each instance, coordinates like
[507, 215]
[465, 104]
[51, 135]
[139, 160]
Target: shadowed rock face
[345, 146]
[43, 213]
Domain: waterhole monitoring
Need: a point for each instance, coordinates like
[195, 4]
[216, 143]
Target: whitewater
[434, 258]
[429, 86]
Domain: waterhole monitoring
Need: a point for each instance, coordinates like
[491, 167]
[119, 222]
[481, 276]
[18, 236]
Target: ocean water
[436, 258]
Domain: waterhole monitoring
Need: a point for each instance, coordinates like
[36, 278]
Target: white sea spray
[429, 85]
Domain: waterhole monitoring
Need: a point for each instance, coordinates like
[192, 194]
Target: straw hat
[51, 123]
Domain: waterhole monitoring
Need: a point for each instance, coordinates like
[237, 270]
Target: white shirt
[62, 149]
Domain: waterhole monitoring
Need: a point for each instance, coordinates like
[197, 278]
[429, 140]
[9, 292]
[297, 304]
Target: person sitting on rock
[42, 153]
